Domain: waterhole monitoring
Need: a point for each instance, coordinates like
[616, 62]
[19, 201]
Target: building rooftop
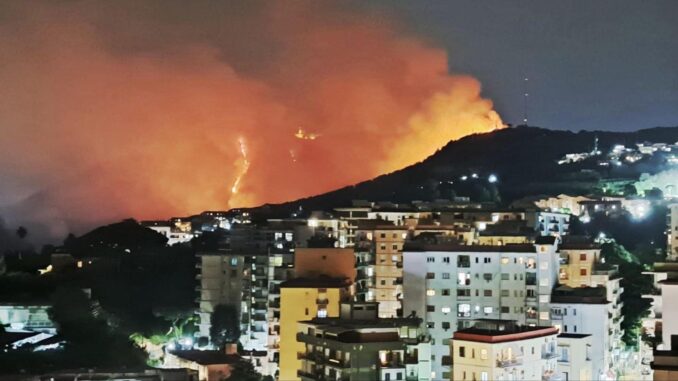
[545, 240]
[579, 246]
[207, 357]
[452, 247]
[319, 282]
[353, 324]
[579, 295]
[500, 331]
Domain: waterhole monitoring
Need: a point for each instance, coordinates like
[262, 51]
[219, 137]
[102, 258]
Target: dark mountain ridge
[524, 159]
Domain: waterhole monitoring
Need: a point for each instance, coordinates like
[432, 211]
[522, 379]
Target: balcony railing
[505, 363]
[549, 355]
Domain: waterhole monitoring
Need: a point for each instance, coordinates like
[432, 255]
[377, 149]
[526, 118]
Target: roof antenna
[525, 95]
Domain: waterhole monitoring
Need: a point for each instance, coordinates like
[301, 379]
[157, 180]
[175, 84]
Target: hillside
[524, 159]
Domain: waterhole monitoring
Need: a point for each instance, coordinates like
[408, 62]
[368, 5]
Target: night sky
[610, 65]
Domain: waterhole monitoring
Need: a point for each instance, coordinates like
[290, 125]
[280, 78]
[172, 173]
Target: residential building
[122, 374]
[388, 246]
[672, 233]
[612, 207]
[563, 203]
[595, 311]
[385, 244]
[574, 357]
[210, 365]
[359, 346]
[504, 350]
[302, 299]
[220, 281]
[665, 356]
[330, 262]
[451, 285]
[547, 223]
[175, 232]
[27, 316]
[581, 264]
[352, 215]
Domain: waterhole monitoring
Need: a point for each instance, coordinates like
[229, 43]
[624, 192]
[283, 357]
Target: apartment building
[351, 216]
[241, 281]
[302, 299]
[664, 363]
[246, 271]
[504, 350]
[574, 357]
[595, 311]
[450, 286]
[672, 233]
[385, 243]
[581, 264]
[359, 346]
[563, 203]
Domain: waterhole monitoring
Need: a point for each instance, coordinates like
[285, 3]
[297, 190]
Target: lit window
[483, 356]
[445, 310]
[430, 292]
[544, 315]
[504, 260]
[487, 310]
[322, 313]
[464, 310]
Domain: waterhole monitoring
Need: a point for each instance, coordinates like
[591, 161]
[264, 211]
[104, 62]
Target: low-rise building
[672, 233]
[590, 310]
[302, 299]
[359, 346]
[574, 357]
[210, 365]
[504, 350]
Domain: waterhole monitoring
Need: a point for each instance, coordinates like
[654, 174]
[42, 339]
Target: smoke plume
[152, 109]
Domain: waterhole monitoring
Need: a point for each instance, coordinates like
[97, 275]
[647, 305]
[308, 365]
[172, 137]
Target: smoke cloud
[153, 109]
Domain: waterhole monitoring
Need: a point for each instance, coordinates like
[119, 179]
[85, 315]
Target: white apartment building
[672, 233]
[574, 357]
[563, 203]
[503, 350]
[665, 358]
[450, 286]
[596, 312]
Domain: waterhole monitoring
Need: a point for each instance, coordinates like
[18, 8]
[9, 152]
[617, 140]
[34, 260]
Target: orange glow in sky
[96, 128]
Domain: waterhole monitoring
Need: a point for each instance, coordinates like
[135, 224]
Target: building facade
[302, 299]
[504, 350]
[451, 286]
[358, 346]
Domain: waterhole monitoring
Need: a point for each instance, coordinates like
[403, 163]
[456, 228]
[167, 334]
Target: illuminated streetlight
[492, 178]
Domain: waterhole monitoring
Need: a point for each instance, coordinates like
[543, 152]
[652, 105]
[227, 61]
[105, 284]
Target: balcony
[547, 355]
[505, 363]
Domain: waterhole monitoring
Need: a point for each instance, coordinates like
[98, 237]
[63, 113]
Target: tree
[321, 241]
[243, 370]
[21, 232]
[635, 285]
[225, 327]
